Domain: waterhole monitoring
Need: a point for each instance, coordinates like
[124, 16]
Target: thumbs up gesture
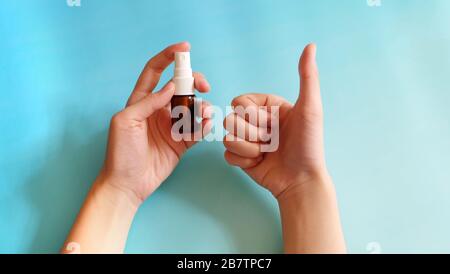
[299, 156]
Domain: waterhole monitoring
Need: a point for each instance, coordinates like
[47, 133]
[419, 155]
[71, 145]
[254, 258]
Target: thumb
[309, 99]
[151, 103]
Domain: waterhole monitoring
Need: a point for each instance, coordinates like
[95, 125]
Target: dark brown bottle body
[188, 103]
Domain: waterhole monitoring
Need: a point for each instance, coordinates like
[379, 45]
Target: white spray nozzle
[183, 79]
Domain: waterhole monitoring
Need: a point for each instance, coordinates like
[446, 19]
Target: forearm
[310, 218]
[103, 222]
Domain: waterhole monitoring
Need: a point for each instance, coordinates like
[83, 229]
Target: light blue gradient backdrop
[385, 81]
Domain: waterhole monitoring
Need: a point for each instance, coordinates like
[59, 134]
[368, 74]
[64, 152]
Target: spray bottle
[184, 89]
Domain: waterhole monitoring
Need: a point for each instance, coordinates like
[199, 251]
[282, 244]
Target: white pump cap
[183, 79]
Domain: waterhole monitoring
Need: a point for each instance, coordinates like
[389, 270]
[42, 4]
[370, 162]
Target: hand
[295, 173]
[300, 156]
[141, 153]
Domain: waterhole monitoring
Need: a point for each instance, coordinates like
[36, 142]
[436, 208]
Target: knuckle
[227, 157]
[228, 139]
[228, 122]
[116, 118]
[225, 140]
[151, 66]
[236, 100]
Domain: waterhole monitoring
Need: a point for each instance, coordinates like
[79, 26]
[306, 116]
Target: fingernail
[315, 52]
[207, 86]
[186, 43]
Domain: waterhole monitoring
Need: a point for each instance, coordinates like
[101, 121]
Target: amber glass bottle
[188, 102]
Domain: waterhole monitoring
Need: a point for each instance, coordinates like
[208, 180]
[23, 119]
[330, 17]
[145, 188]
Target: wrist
[304, 183]
[310, 216]
[111, 191]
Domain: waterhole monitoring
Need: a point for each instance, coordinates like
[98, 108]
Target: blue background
[385, 82]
